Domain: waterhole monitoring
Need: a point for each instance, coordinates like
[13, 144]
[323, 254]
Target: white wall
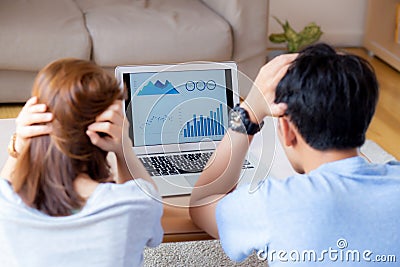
[342, 21]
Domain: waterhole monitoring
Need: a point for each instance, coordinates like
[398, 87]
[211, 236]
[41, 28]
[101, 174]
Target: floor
[385, 126]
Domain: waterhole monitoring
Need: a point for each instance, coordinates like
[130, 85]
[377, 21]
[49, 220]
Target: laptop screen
[176, 107]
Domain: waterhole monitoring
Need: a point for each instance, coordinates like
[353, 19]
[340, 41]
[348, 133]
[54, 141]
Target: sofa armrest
[249, 22]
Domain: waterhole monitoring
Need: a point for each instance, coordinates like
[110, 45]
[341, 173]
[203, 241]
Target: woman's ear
[287, 131]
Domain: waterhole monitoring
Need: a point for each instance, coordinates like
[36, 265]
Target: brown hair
[75, 92]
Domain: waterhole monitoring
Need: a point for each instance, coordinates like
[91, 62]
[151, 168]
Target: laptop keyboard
[180, 163]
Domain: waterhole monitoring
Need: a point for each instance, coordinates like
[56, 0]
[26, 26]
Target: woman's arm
[116, 139]
[31, 121]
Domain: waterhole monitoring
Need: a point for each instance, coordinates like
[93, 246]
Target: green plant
[295, 41]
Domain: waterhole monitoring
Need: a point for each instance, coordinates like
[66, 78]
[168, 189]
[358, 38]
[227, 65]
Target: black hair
[331, 97]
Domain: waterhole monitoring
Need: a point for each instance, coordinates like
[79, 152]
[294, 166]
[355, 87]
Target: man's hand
[32, 121]
[260, 101]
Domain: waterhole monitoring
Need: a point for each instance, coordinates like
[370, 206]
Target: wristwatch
[11, 147]
[239, 121]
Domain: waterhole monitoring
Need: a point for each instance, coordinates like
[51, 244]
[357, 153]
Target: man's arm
[222, 172]
[218, 178]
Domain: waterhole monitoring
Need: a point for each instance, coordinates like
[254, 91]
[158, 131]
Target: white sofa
[115, 32]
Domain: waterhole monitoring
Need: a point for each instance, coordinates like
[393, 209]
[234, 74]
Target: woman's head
[75, 92]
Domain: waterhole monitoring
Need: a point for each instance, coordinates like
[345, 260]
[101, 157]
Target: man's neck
[315, 158]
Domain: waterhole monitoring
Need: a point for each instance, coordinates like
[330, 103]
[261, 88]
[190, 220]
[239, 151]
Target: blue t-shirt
[343, 213]
[112, 229]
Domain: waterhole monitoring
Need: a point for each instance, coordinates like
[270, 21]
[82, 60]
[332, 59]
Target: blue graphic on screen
[158, 88]
[178, 107]
[206, 126]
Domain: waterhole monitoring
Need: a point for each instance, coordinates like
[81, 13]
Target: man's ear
[287, 131]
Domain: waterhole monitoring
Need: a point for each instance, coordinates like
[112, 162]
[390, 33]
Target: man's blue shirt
[345, 212]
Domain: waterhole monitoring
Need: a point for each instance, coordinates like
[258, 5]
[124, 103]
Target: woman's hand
[32, 121]
[108, 129]
[110, 133]
[260, 101]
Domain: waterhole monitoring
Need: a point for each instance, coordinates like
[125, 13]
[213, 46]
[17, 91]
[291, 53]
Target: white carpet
[193, 254]
[209, 253]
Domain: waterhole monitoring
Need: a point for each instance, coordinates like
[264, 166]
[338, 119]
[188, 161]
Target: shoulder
[270, 187]
[135, 194]
[290, 195]
[4, 185]
[139, 188]
[6, 191]
[393, 166]
[249, 201]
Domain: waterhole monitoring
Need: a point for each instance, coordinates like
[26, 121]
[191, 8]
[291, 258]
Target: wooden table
[177, 224]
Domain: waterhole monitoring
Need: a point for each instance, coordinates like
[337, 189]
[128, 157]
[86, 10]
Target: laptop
[178, 114]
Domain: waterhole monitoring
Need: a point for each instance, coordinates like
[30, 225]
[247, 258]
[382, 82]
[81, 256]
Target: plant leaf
[277, 38]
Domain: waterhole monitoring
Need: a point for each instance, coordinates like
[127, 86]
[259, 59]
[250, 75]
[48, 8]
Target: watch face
[236, 119]
[235, 122]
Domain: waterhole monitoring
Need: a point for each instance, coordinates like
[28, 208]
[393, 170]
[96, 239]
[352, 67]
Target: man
[340, 210]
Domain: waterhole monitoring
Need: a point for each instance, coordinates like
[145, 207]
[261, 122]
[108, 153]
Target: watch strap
[250, 128]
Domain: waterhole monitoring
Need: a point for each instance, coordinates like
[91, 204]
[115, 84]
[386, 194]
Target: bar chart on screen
[205, 125]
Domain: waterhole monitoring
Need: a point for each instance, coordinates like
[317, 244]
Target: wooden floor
[9, 110]
[385, 126]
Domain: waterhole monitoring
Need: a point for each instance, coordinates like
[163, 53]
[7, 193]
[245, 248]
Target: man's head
[331, 97]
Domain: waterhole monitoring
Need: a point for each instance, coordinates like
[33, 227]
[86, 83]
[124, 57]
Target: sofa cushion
[131, 34]
[87, 5]
[36, 32]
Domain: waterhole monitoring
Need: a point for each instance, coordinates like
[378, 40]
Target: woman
[57, 208]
